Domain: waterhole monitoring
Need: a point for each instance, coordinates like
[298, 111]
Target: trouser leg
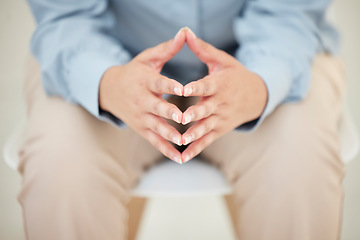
[287, 175]
[77, 170]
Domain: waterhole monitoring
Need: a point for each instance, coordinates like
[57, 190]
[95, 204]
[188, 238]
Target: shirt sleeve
[278, 40]
[74, 46]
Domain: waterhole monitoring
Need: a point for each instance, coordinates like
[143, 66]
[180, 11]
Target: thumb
[206, 52]
[165, 51]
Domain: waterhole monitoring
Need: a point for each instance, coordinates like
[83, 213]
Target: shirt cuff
[84, 72]
[275, 72]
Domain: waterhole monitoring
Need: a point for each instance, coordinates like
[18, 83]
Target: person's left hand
[230, 95]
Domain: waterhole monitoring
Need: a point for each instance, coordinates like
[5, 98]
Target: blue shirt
[75, 42]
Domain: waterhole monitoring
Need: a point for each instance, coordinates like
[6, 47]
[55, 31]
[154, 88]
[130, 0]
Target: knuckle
[155, 128]
[202, 111]
[208, 127]
[206, 89]
[193, 112]
[158, 85]
[170, 87]
[200, 131]
[194, 135]
[156, 109]
[198, 134]
[207, 110]
[209, 89]
[164, 132]
[201, 87]
[169, 136]
[213, 87]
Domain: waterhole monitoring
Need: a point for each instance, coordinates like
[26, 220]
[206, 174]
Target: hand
[229, 96]
[133, 93]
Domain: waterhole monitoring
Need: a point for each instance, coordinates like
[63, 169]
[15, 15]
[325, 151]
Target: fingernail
[186, 158]
[190, 31]
[178, 33]
[176, 140]
[188, 91]
[175, 117]
[187, 119]
[187, 140]
[178, 160]
[177, 91]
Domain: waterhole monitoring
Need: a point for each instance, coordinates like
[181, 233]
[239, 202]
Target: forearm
[278, 41]
[73, 49]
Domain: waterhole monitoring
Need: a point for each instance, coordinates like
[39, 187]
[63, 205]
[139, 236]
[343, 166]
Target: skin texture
[230, 95]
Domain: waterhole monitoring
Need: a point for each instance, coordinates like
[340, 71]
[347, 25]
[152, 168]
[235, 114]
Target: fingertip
[191, 39]
[189, 32]
[177, 91]
[178, 34]
[177, 140]
[179, 38]
[178, 159]
[186, 139]
[186, 158]
[174, 87]
[188, 91]
[186, 119]
[175, 117]
[176, 114]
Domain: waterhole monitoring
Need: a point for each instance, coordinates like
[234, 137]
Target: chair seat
[169, 179]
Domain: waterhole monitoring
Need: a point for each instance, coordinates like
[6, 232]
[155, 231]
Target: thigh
[298, 129]
[287, 175]
[73, 140]
[77, 170]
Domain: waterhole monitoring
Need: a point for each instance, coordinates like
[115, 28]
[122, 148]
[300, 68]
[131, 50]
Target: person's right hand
[133, 93]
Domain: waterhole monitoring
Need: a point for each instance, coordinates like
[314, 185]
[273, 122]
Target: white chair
[197, 178]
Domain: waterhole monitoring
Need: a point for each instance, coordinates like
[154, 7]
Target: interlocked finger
[163, 85]
[198, 146]
[164, 146]
[162, 128]
[199, 129]
[203, 109]
[162, 108]
[202, 87]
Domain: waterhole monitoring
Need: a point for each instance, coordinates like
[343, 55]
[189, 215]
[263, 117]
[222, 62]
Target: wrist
[261, 95]
[105, 86]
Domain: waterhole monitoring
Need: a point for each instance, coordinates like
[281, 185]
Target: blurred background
[164, 218]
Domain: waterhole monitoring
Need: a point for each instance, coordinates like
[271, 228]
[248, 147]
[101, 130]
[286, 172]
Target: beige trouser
[287, 175]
